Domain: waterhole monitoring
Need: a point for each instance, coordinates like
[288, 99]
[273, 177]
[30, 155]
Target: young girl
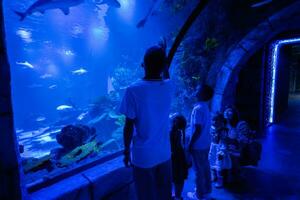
[219, 156]
[232, 120]
[216, 128]
[179, 162]
[224, 164]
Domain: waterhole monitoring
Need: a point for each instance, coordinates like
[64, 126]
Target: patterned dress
[223, 155]
[212, 156]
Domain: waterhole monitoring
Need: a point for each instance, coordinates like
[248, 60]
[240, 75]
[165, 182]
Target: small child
[216, 127]
[179, 163]
[232, 119]
[224, 163]
[219, 156]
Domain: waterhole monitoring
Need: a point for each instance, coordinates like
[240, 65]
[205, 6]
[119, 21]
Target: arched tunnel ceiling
[285, 20]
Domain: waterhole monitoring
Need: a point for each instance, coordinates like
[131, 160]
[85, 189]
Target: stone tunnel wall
[240, 31]
[285, 20]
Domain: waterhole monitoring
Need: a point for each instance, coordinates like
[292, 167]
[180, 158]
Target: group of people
[161, 155]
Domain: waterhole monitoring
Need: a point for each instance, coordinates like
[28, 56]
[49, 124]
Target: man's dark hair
[204, 93]
[155, 60]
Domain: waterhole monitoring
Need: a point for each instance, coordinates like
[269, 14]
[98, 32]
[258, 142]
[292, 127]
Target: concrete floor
[278, 173]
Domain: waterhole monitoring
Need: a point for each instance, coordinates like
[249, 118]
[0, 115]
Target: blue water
[62, 64]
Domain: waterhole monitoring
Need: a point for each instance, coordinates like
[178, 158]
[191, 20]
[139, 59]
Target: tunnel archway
[285, 20]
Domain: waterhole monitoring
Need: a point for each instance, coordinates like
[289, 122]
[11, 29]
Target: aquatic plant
[192, 65]
[123, 76]
[211, 43]
[79, 153]
[82, 152]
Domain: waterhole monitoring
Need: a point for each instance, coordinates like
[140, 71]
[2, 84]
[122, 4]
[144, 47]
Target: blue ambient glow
[274, 67]
[127, 9]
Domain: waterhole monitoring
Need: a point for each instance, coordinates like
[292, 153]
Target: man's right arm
[127, 108]
[127, 136]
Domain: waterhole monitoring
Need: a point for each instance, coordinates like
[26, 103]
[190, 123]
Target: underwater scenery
[71, 61]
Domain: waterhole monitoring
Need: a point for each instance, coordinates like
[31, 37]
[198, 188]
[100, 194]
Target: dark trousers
[154, 183]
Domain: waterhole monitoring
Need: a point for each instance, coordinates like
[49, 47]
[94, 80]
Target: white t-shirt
[201, 116]
[149, 103]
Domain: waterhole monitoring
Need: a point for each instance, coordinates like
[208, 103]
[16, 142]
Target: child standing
[200, 142]
[215, 139]
[179, 162]
[232, 120]
[223, 163]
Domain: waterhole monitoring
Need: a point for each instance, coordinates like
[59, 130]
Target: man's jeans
[202, 171]
[154, 183]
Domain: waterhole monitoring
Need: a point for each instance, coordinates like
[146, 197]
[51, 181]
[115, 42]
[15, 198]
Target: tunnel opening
[288, 97]
[262, 97]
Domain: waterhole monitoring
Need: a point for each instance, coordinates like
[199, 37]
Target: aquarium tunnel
[66, 65]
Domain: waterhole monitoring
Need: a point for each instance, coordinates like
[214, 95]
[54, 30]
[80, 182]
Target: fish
[112, 3]
[45, 76]
[82, 116]
[64, 5]
[80, 71]
[25, 34]
[151, 12]
[196, 78]
[52, 87]
[262, 3]
[64, 107]
[42, 5]
[40, 119]
[25, 64]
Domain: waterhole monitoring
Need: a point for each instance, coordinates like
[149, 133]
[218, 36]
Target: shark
[64, 5]
[25, 64]
[261, 3]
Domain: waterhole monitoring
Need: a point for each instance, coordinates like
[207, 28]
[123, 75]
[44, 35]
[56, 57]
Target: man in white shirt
[146, 105]
[200, 142]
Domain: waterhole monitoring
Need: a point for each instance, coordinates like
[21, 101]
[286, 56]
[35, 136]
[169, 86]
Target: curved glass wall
[70, 62]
